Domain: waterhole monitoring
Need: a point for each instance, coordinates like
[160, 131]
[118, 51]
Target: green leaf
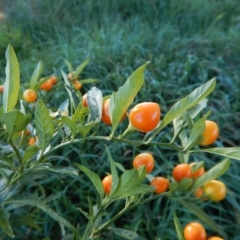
[65, 78]
[182, 157]
[137, 189]
[16, 121]
[122, 99]
[22, 108]
[40, 82]
[4, 164]
[183, 185]
[1, 114]
[230, 152]
[126, 234]
[69, 65]
[17, 220]
[196, 166]
[36, 75]
[184, 137]
[178, 227]
[85, 214]
[61, 170]
[186, 103]
[12, 82]
[63, 109]
[173, 186]
[115, 178]
[141, 173]
[81, 67]
[4, 223]
[20, 121]
[90, 207]
[129, 184]
[80, 114]
[120, 166]
[41, 205]
[203, 216]
[44, 125]
[215, 172]
[195, 110]
[128, 179]
[88, 80]
[73, 97]
[70, 124]
[197, 131]
[29, 153]
[95, 101]
[188, 120]
[178, 124]
[94, 178]
[54, 197]
[84, 130]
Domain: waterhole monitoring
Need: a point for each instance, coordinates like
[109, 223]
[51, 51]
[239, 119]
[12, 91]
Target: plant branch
[124, 210]
[131, 142]
[17, 153]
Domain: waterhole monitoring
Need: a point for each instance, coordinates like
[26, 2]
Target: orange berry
[194, 231]
[160, 184]
[181, 171]
[1, 88]
[199, 194]
[215, 190]
[144, 159]
[210, 133]
[105, 113]
[47, 86]
[70, 76]
[107, 184]
[29, 95]
[77, 85]
[84, 98]
[26, 132]
[31, 141]
[145, 116]
[53, 80]
[197, 173]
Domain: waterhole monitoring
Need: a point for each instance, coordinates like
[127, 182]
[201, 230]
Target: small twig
[17, 154]
[124, 210]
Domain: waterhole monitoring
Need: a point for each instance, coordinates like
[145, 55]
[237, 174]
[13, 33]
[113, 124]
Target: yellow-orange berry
[107, 184]
[29, 95]
[77, 85]
[160, 184]
[1, 88]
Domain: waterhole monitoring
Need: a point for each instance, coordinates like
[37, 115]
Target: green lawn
[187, 43]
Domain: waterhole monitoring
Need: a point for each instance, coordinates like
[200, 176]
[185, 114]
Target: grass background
[187, 42]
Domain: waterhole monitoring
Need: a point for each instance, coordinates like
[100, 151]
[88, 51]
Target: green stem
[129, 129]
[138, 143]
[14, 180]
[131, 142]
[87, 230]
[165, 145]
[17, 154]
[85, 236]
[74, 142]
[109, 222]
[124, 210]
